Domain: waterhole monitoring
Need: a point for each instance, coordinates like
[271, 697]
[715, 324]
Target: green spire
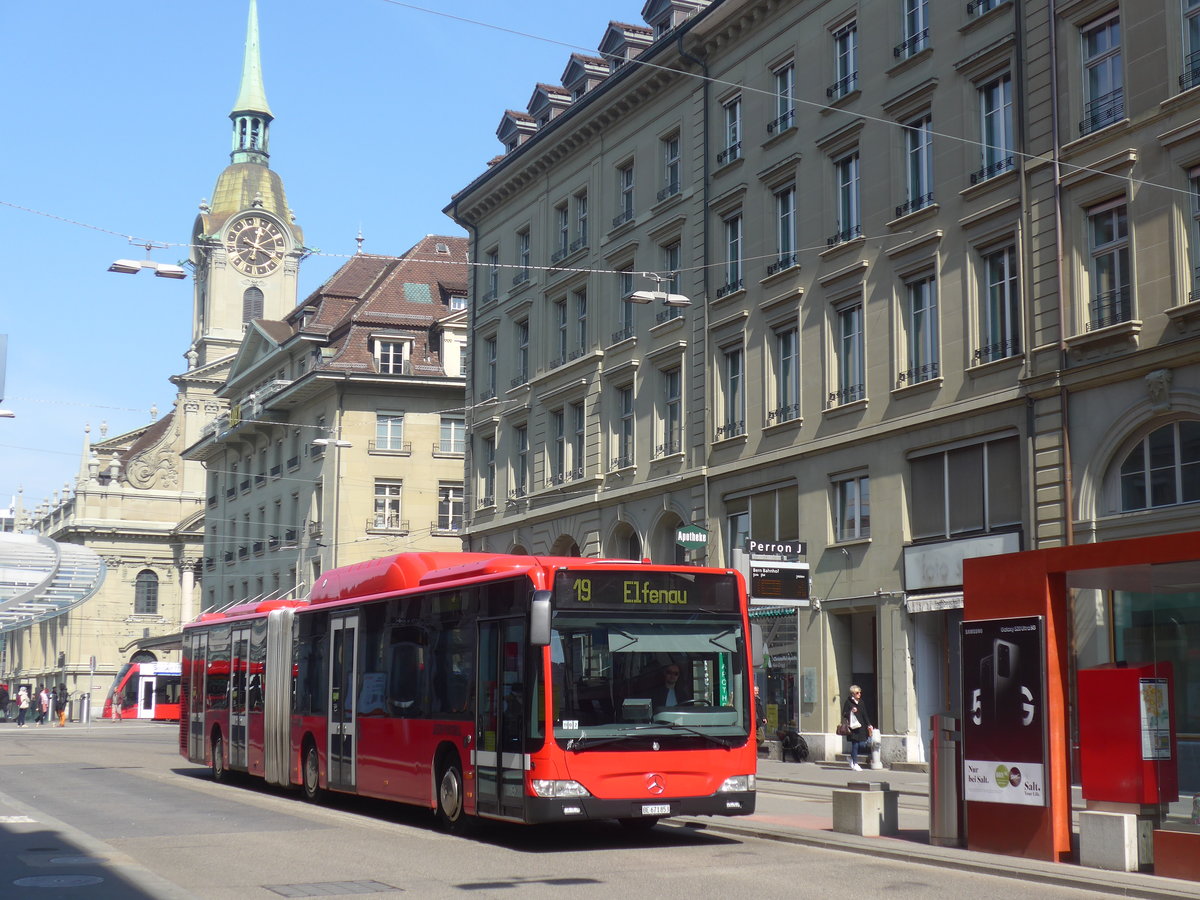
[251, 115]
[252, 97]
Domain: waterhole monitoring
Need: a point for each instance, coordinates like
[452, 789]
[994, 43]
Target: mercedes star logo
[655, 783]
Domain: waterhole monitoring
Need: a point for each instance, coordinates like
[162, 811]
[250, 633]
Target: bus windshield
[661, 674]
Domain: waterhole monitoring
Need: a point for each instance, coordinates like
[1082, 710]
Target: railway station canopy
[41, 578]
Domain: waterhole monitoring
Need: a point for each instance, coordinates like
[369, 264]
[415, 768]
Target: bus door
[343, 663]
[197, 696]
[146, 678]
[239, 665]
[501, 718]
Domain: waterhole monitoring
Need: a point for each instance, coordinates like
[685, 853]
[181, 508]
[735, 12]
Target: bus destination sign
[644, 590]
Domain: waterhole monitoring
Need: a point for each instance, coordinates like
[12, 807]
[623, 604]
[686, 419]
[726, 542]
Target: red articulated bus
[145, 690]
[519, 688]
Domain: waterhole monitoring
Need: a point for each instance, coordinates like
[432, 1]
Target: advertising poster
[1154, 697]
[1004, 745]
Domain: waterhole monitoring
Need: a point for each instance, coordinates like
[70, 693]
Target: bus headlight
[547, 788]
[737, 783]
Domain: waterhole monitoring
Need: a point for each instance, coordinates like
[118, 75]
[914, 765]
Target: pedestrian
[60, 706]
[22, 706]
[43, 704]
[4, 702]
[858, 724]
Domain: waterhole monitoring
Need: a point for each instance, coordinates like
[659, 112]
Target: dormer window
[393, 355]
[457, 302]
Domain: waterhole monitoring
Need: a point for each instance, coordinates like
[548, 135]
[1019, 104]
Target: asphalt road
[112, 811]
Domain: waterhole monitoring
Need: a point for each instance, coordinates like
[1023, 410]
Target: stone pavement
[912, 843]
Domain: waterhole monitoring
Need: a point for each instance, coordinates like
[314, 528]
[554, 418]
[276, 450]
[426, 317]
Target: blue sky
[117, 124]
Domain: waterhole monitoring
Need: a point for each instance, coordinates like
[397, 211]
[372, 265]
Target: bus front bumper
[566, 809]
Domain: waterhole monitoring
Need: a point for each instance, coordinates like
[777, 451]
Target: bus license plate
[656, 809]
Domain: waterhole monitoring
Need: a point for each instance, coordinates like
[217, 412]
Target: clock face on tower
[255, 245]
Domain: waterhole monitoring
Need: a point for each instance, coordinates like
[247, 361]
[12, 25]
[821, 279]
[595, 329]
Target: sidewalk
[912, 843]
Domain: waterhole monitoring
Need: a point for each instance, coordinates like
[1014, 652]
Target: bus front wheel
[450, 815]
[219, 772]
[312, 774]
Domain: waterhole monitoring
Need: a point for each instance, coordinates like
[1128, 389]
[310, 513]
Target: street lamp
[133, 266]
[665, 297]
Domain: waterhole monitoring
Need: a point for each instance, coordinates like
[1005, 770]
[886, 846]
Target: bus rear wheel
[219, 772]
[312, 774]
[449, 811]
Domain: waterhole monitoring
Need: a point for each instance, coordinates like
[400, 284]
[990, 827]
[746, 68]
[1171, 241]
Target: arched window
[252, 304]
[145, 599]
[1163, 468]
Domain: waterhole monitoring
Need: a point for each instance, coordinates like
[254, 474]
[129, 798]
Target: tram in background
[520, 688]
[144, 690]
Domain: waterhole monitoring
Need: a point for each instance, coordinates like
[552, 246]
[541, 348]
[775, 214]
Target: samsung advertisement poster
[1004, 744]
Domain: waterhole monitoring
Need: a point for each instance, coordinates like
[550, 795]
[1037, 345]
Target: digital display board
[634, 589]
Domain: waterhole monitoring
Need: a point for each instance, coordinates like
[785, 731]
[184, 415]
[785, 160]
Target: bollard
[876, 746]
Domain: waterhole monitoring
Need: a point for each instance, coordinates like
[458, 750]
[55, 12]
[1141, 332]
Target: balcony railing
[669, 191]
[621, 462]
[668, 448]
[212, 500]
[519, 379]
[729, 287]
[782, 122]
[293, 462]
[666, 315]
[579, 243]
[518, 493]
[489, 297]
[622, 334]
[228, 556]
[230, 493]
[290, 536]
[625, 215]
[396, 448]
[917, 374]
[913, 45]
[1191, 72]
[243, 552]
[842, 87]
[452, 523]
[258, 547]
[991, 171]
[730, 154]
[453, 448]
[521, 277]
[919, 202]
[1109, 308]
[273, 542]
[1103, 111]
[485, 501]
[731, 429]
[979, 7]
[998, 350]
[786, 261]
[848, 394]
[783, 413]
[260, 478]
[846, 234]
[387, 523]
[276, 470]
[560, 254]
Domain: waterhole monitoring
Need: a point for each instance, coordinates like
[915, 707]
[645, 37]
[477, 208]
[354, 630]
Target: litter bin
[945, 779]
[84, 707]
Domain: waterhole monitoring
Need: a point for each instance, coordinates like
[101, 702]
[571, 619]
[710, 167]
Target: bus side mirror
[539, 619]
[756, 645]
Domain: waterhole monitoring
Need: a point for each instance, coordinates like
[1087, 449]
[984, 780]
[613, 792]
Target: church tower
[246, 247]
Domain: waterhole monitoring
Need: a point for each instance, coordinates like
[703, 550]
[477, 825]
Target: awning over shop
[41, 578]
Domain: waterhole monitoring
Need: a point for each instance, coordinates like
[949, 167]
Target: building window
[787, 376]
[852, 508]
[558, 446]
[581, 325]
[581, 221]
[625, 423]
[450, 507]
[488, 472]
[769, 515]
[522, 275]
[1191, 45]
[392, 357]
[625, 324]
[785, 99]
[995, 109]
[562, 216]
[733, 132]
[672, 260]
[387, 505]
[252, 304]
[489, 362]
[560, 322]
[389, 431]
[845, 54]
[918, 156]
[671, 420]
[521, 465]
[1103, 86]
[493, 275]
[733, 256]
[624, 195]
[453, 435]
[848, 205]
[1194, 232]
[967, 490]
[1000, 318]
[733, 393]
[145, 594]
[921, 327]
[578, 435]
[1163, 469]
[671, 167]
[522, 335]
[785, 230]
[916, 29]
[851, 371]
[1108, 230]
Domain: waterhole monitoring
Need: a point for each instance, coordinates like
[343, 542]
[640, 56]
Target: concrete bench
[866, 808]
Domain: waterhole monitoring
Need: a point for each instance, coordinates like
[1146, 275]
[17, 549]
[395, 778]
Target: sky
[118, 124]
